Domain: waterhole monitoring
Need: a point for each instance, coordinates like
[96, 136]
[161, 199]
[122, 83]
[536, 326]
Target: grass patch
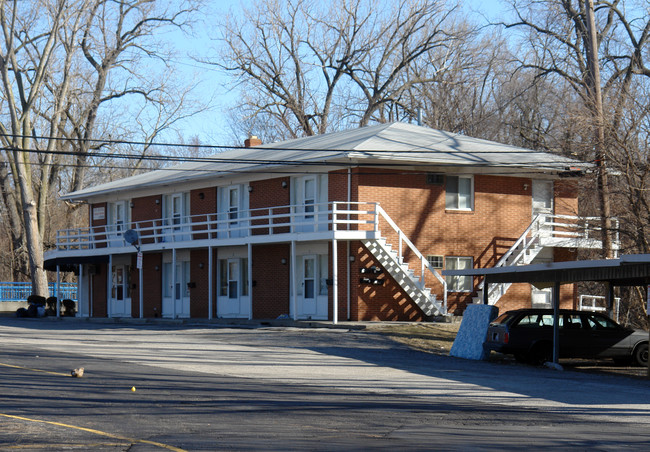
[427, 337]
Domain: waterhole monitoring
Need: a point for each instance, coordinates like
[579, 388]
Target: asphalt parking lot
[208, 387]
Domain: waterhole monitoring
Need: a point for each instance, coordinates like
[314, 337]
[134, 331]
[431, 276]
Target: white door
[176, 211]
[117, 222]
[306, 204]
[543, 200]
[233, 300]
[309, 285]
[176, 293]
[120, 291]
[233, 211]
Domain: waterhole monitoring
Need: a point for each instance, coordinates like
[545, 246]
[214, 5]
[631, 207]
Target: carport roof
[628, 270]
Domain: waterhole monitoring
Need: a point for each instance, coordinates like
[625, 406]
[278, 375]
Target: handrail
[541, 227]
[424, 262]
[20, 291]
[336, 216]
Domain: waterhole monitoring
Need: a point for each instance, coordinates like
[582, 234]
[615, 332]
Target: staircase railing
[542, 226]
[424, 263]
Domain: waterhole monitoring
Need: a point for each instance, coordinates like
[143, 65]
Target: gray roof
[385, 144]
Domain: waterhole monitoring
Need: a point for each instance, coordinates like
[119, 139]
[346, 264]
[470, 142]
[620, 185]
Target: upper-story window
[459, 193]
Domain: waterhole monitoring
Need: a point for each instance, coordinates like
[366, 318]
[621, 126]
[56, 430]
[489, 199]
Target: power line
[261, 147]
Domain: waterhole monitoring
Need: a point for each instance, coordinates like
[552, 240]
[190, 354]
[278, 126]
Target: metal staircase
[545, 230]
[411, 282]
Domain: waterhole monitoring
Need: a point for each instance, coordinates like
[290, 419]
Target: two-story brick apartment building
[360, 220]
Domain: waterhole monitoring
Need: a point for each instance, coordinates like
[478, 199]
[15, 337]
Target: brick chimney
[252, 141]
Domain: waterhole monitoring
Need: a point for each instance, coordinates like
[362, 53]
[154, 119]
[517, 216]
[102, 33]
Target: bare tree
[309, 67]
[62, 63]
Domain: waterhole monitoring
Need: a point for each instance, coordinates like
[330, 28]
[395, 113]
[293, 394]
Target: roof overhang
[629, 270]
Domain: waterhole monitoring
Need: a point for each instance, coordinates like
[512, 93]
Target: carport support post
[58, 291]
[486, 291]
[141, 291]
[556, 323]
[647, 311]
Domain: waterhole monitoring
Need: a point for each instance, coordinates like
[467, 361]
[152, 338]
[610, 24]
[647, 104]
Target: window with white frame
[435, 261]
[459, 283]
[459, 193]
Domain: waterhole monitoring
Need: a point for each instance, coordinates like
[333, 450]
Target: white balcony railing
[268, 221]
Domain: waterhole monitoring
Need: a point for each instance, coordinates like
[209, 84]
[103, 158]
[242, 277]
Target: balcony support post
[335, 284]
[294, 283]
[250, 281]
[210, 294]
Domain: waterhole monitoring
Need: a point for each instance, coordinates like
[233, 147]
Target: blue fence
[10, 291]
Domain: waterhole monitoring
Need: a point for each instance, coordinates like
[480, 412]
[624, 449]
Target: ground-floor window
[459, 283]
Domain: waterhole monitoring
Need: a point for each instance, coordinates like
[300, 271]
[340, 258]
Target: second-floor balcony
[332, 220]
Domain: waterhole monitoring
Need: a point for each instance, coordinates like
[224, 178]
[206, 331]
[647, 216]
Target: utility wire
[262, 148]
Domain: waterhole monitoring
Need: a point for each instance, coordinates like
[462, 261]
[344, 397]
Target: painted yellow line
[35, 370]
[59, 446]
[96, 432]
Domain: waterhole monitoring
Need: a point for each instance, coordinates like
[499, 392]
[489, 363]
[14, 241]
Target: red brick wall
[143, 212]
[203, 202]
[269, 193]
[199, 295]
[98, 223]
[371, 302]
[271, 294]
[99, 280]
[502, 211]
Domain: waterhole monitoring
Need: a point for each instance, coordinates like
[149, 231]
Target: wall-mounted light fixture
[157, 200]
[352, 258]
[131, 204]
[156, 268]
[283, 261]
[201, 195]
[284, 184]
[250, 188]
[201, 265]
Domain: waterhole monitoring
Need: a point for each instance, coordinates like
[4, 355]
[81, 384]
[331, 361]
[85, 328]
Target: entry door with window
[232, 207]
[233, 300]
[176, 293]
[120, 291]
[233, 211]
[543, 201]
[176, 221]
[307, 196]
[118, 222]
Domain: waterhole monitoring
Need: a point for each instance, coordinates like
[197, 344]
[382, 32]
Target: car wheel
[641, 355]
[521, 358]
[540, 353]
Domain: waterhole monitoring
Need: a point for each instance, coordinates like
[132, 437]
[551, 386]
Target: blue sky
[211, 126]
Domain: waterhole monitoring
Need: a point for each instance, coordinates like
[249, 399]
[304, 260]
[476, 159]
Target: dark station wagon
[528, 335]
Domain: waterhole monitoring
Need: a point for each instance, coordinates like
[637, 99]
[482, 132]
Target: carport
[628, 270]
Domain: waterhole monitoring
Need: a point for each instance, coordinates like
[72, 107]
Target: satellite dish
[131, 236]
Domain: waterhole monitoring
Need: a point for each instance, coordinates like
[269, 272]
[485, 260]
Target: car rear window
[504, 318]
